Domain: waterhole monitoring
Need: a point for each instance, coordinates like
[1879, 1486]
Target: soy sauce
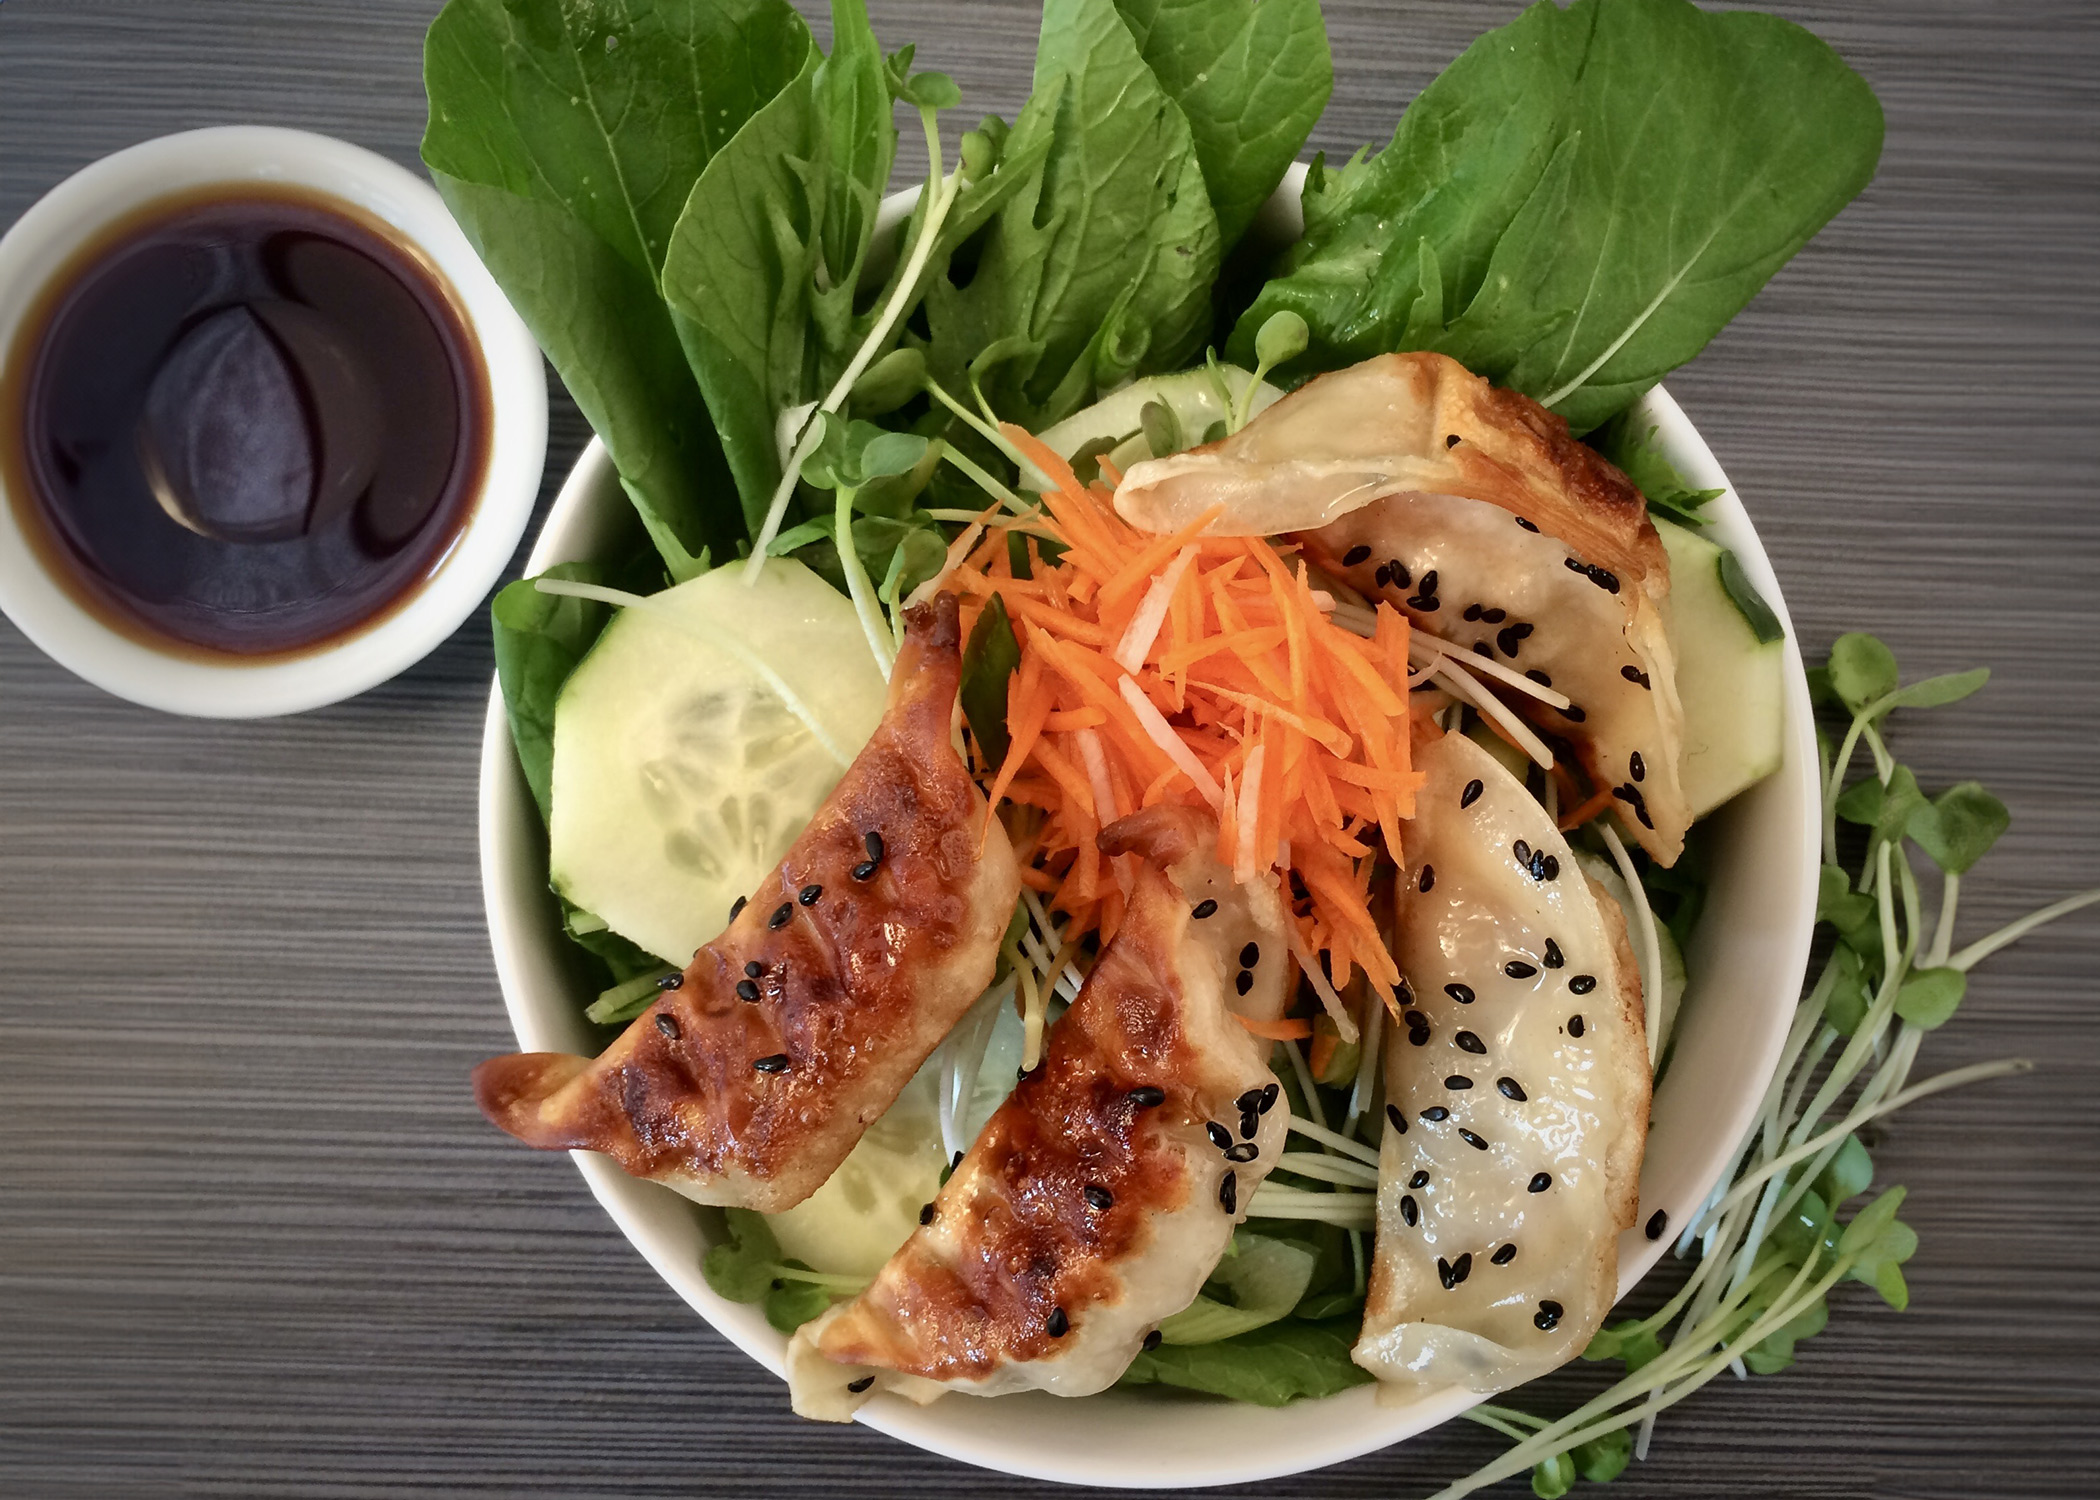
[244, 423]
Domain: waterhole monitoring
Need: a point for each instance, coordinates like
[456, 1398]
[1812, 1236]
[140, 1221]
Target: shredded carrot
[1593, 808]
[1233, 691]
[1289, 1029]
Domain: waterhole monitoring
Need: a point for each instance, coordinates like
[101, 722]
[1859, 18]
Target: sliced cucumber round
[682, 770]
[870, 1205]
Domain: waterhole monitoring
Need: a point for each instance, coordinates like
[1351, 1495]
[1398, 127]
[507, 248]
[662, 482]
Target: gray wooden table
[254, 1238]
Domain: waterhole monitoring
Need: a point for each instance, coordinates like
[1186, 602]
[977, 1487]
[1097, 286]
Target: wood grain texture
[254, 1238]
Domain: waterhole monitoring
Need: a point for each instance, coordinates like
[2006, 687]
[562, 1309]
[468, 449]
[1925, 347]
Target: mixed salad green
[684, 200]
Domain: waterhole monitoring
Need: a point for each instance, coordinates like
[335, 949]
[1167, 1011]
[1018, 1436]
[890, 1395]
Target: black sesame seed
[1462, 993]
[1472, 1140]
[671, 981]
[1153, 1340]
[1458, 1081]
[1219, 1135]
[753, 968]
[1436, 1113]
[809, 894]
[1355, 555]
[1243, 981]
[1427, 882]
[926, 1213]
[1472, 612]
[1268, 1098]
[1510, 1089]
[1637, 766]
[1604, 579]
[1250, 955]
[1399, 572]
[1145, 1096]
[1516, 968]
[1553, 957]
[857, 1386]
[1548, 1316]
[1503, 1256]
[1482, 648]
[668, 1025]
[1462, 1268]
[1472, 792]
[777, 1063]
[1574, 713]
[1550, 868]
[1495, 617]
[1635, 675]
[1428, 585]
[1443, 1273]
[1576, 565]
[1057, 1325]
[1509, 637]
[1415, 1018]
[1419, 1035]
[1526, 524]
[1409, 1213]
[1467, 1042]
[1575, 1026]
[1426, 603]
[1244, 1151]
[737, 908]
[1539, 677]
[872, 842]
[1452, 440]
[1100, 1197]
[1522, 851]
[865, 870]
[1582, 984]
[1383, 576]
[1205, 908]
[1249, 1100]
[1419, 1180]
[1399, 1121]
[1250, 1121]
[1540, 1181]
[1657, 1223]
[746, 990]
[1229, 1193]
[781, 914]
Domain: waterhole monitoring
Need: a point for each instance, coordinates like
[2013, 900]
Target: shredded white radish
[1455, 678]
[1162, 734]
[1309, 966]
[1096, 761]
[1473, 661]
[1143, 630]
[1246, 858]
[1650, 946]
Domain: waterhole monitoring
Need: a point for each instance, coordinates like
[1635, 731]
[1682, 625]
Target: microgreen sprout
[1770, 1240]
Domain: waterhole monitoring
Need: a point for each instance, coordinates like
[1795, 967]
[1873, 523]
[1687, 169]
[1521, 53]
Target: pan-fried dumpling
[1518, 1087]
[1474, 512]
[1102, 1193]
[749, 1082]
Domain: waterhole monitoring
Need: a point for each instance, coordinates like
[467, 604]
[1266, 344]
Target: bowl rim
[221, 686]
[1245, 1444]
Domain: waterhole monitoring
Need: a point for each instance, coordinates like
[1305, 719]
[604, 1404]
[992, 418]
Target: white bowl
[83, 205]
[1746, 960]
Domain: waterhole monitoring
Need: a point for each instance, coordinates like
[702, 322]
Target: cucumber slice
[870, 1205]
[681, 775]
[1728, 672]
[1115, 425]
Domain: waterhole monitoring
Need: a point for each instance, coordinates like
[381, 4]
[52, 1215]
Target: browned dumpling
[1474, 512]
[789, 1034]
[1101, 1194]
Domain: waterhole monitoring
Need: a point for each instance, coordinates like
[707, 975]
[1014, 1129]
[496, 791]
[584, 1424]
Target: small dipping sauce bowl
[52, 590]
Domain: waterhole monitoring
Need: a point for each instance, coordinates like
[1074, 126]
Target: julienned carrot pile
[1202, 670]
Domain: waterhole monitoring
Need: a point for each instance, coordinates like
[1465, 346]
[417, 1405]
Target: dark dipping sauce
[245, 422]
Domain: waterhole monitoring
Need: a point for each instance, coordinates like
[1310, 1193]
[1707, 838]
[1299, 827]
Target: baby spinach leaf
[1699, 152]
[988, 667]
[1099, 264]
[1264, 1281]
[1271, 1366]
[1629, 442]
[565, 138]
[539, 640]
[1603, 188]
[1251, 76]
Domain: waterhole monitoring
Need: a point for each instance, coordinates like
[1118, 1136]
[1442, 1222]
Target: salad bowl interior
[1745, 961]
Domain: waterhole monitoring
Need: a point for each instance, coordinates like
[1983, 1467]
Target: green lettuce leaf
[1270, 1366]
[1252, 78]
[566, 139]
[539, 640]
[1099, 265]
